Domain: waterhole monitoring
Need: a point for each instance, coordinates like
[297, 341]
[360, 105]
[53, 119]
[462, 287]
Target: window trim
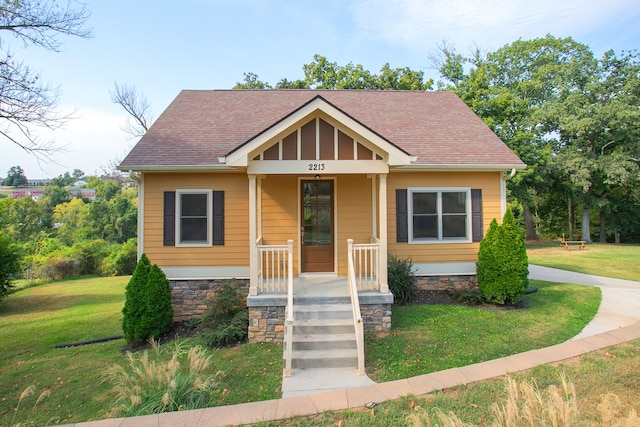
[178, 217]
[440, 239]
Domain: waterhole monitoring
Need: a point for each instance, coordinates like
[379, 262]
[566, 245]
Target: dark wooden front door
[317, 226]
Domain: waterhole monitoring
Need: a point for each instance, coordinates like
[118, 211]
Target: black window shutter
[169, 234]
[476, 215]
[402, 219]
[218, 218]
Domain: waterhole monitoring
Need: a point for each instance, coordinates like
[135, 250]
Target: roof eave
[497, 167]
[177, 168]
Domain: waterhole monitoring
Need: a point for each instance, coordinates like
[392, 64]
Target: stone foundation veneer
[266, 312]
[445, 282]
[189, 297]
[266, 323]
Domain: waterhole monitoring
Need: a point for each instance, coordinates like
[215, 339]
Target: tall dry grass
[163, 381]
[527, 406]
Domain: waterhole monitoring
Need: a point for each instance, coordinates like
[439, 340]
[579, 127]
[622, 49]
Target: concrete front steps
[323, 334]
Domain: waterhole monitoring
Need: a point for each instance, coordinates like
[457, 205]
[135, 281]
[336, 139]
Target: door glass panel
[324, 235]
[310, 233]
[317, 213]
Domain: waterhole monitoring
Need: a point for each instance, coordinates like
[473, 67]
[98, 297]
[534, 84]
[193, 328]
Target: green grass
[612, 370]
[429, 338]
[619, 261]
[35, 319]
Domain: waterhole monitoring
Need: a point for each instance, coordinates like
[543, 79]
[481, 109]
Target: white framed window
[439, 215]
[193, 217]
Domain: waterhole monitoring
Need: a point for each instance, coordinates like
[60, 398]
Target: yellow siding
[489, 182]
[280, 212]
[235, 250]
[353, 213]
[280, 200]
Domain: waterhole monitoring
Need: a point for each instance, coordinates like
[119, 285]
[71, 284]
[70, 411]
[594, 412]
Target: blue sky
[162, 47]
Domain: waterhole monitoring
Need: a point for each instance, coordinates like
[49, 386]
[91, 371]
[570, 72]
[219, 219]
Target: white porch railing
[366, 259]
[275, 274]
[355, 308]
[275, 267]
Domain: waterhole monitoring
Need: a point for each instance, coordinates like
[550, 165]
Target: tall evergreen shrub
[147, 311]
[134, 304]
[502, 267]
[159, 313]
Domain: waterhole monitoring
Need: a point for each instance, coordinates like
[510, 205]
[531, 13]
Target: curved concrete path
[620, 304]
[617, 321]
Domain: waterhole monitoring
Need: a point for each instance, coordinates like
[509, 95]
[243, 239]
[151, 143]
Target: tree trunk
[603, 230]
[586, 232]
[570, 219]
[528, 223]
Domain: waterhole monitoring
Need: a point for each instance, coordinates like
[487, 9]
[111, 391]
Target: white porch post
[382, 217]
[253, 250]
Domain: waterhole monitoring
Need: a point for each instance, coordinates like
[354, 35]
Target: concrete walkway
[617, 321]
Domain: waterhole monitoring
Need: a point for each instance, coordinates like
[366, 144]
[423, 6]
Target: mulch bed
[433, 297]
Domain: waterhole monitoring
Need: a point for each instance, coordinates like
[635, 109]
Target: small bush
[226, 320]
[502, 267]
[89, 254]
[9, 264]
[469, 294]
[55, 268]
[122, 259]
[151, 385]
[402, 279]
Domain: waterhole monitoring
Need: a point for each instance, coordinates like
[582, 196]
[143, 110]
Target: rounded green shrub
[502, 267]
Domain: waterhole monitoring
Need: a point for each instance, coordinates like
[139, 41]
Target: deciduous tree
[15, 177]
[25, 99]
[136, 105]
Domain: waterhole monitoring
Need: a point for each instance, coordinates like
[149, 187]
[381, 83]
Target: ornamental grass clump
[151, 384]
[502, 267]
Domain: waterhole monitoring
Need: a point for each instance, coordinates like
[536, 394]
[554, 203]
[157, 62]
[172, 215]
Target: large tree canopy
[323, 74]
[25, 99]
[599, 133]
[512, 90]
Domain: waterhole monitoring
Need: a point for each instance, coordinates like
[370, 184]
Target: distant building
[85, 193]
[38, 182]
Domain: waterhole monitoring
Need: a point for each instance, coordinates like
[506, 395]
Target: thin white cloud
[490, 24]
[90, 142]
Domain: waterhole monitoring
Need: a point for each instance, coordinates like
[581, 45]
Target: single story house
[269, 187]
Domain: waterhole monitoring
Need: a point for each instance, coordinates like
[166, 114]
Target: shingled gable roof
[202, 126]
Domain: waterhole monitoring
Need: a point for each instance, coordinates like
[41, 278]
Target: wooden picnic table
[567, 243]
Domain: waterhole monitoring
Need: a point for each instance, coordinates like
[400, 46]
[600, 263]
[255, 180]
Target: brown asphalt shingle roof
[200, 126]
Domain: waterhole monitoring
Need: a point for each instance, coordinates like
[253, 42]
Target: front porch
[320, 318]
[276, 288]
